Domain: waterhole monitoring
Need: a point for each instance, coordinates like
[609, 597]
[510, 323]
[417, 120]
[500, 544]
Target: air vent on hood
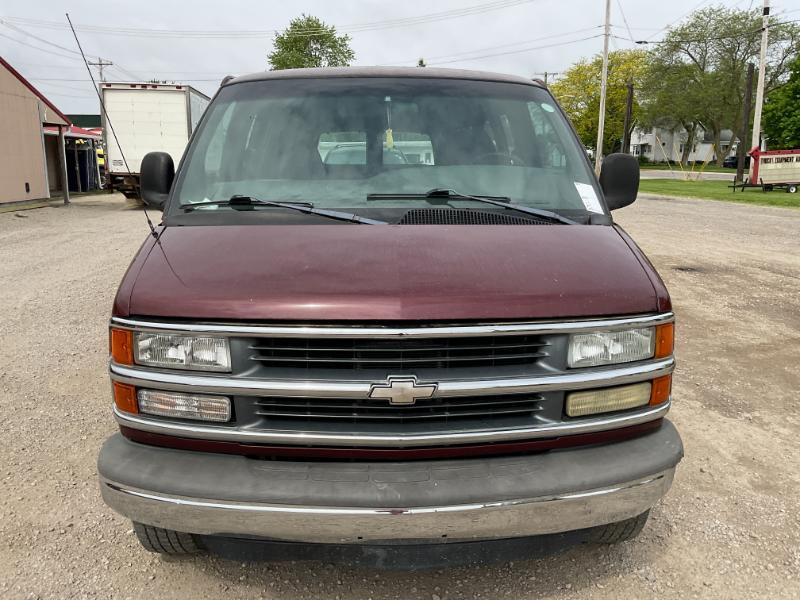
[462, 216]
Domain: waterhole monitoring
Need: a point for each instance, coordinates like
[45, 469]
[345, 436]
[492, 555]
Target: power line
[444, 62]
[45, 50]
[465, 54]
[238, 34]
[36, 37]
[624, 18]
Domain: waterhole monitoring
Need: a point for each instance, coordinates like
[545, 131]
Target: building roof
[73, 131]
[415, 72]
[64, 120]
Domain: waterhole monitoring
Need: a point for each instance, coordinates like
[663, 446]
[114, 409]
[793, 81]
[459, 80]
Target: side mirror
[155, 178]
[619, 178]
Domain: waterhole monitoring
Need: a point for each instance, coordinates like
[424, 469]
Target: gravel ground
[728, 529]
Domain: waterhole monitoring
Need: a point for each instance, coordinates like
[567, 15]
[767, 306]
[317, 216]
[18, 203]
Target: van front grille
[399, 354]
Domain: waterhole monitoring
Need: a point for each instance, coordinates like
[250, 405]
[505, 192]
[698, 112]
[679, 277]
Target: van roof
[415, 72]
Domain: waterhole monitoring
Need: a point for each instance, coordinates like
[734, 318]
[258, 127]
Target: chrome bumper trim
[256, 436]
[490, 520]
[577, 379]
[357, 331]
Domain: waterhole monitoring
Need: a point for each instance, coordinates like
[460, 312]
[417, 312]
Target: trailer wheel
[792, 189]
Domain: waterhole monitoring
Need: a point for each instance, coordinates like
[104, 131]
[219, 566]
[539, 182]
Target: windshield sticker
[548, 107]
[589, 197]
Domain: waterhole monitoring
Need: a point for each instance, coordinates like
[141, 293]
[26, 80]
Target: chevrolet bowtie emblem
[402, 391]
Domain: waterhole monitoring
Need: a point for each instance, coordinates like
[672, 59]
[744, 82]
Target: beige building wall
[21, 149]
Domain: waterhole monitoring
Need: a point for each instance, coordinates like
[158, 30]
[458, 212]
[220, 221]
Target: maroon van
[388, 306]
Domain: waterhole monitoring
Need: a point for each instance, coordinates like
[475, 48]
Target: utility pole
[762, 68]
[626, 135]
[100, 64]
[546, 74]
[748, 104]
[598, 151]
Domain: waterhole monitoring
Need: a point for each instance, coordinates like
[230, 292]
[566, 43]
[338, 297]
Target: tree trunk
[718, 145]
[691, 133]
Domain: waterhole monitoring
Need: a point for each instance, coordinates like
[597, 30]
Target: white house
[661, 145]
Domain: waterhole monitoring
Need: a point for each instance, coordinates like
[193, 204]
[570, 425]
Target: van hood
[389, 273]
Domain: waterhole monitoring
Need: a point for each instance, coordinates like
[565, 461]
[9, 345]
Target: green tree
[308, 42]
[697, 74]
[782, 112]
[578, 92]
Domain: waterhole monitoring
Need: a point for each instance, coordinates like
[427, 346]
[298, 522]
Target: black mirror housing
[155, 178]
[619, 179]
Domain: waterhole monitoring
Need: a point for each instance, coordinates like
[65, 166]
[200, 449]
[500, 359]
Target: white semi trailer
[146, 117]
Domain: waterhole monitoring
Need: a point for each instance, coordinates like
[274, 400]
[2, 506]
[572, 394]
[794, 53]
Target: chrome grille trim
[251, 436]
[359, 331]
[576, 379]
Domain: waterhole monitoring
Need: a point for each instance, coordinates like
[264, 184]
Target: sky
[146, 39]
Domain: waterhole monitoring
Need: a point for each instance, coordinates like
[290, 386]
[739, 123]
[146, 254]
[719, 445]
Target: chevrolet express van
[388, 306]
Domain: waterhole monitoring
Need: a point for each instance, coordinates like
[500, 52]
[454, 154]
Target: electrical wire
[624, 18]
[465, 54]
[566, 43]
[238, 34]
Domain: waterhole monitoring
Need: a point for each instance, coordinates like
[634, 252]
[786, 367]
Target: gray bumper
[471, 499]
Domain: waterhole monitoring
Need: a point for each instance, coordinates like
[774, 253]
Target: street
[729, 528]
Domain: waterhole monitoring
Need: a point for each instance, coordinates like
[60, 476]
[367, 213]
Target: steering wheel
[510, 158]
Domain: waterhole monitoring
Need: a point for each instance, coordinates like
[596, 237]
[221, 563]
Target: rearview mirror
[156, 175]
[619, 178]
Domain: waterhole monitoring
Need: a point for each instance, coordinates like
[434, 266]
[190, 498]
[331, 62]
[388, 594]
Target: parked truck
[353, 347]
[145, 116]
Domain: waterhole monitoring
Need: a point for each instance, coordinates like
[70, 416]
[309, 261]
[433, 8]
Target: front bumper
[424, 501]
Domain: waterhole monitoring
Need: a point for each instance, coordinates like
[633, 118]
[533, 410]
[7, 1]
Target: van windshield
[337, 141]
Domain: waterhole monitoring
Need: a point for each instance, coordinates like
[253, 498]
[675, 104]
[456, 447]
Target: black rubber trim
[387, 484]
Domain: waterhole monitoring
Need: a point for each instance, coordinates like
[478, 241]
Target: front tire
[622, 531]
[792, 189]
[166, 541]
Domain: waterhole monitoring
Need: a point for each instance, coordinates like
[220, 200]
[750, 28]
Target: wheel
[613, 533]
[792, 189]
[166, 541]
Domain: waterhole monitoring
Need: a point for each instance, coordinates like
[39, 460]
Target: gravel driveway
[728, 529]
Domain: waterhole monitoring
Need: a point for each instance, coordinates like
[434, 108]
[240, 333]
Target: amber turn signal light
[665, 338]
[125, 397]
[660, 391]
[121, 343]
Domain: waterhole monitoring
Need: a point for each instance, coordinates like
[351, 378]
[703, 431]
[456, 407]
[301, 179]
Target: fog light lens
[592, 402]
[184, 406]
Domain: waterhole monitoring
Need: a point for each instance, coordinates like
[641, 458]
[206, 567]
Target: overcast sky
[526, 37]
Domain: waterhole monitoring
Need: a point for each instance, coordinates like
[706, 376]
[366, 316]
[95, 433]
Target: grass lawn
[718, 190]
[697, 168]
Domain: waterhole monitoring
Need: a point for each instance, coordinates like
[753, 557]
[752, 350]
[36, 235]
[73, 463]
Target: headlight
[608, 348]
[181, 351]
[184, 406]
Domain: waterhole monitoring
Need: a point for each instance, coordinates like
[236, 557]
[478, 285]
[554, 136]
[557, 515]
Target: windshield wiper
[238, 202]
[502, 201]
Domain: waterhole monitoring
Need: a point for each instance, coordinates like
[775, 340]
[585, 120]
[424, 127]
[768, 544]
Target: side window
[552, 151]
[343, 147]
